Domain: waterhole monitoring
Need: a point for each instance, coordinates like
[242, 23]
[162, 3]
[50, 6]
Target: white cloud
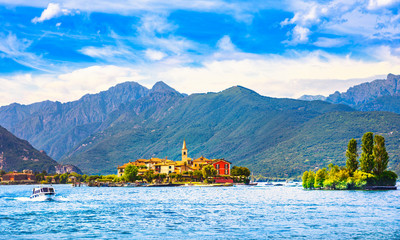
[105, 52]
[292, 75]
[225, 44]
[28, 88]
[240, 10]
[279, 76]
[16, 49]
[53, 10]
[154, 54]
[330, 42]
[300, 34]
[149, 29]
[377, 4]
[369, 19]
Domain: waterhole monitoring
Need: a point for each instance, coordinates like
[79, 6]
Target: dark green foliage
[351, 155]
[209, 171]
[130, 173]
[387, 178]
[40, 177]
[64, 178]
[380, 154]
[198, 175]
[240, 171]
[56, 178]
[150, 176]
[367, 158]
[305, 180]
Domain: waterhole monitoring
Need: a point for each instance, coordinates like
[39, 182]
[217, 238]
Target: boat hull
[42, 197]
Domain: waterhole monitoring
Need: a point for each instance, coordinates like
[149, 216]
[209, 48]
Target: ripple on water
[199, 213]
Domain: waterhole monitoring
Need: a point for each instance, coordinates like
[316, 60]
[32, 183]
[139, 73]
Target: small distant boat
[291, 184]
[43, 193]
[252, 183]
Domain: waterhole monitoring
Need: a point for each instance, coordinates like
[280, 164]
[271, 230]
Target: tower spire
[184, 145]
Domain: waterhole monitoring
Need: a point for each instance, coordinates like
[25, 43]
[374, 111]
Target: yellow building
[168, 166]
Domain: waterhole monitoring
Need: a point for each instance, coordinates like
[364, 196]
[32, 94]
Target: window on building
[217, 166]
[226, 171]
[226, 165]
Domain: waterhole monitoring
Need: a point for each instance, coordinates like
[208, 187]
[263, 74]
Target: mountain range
[271, 136]
[17, 154]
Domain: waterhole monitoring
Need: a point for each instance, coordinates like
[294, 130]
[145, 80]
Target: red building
[223, 167]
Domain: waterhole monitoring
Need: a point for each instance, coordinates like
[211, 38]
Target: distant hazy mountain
[58, 127]
[312, 98]
[378, 95]
[275, 137]
[18, 154]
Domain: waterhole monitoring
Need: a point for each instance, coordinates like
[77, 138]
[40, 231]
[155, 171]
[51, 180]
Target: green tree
[380, 155]
[163, 176]
[64, 178]
[198, 175]
[305, 179]
[351, 155]
[130, 173]
[209, 171]
[311, 179]
[56, 178]
[179, 177]
[367, 158]
[2, 172]
[320, 177]
[172, 176]
[240, 171]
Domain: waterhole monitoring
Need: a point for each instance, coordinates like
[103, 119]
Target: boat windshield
[51, 189]
[44, 190]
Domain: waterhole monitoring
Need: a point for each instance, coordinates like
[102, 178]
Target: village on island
[200, 170]
[146, 172]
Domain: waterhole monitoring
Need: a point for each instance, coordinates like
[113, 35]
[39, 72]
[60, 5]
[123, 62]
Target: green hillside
[236, 124]
[17, 154]
[324, 140]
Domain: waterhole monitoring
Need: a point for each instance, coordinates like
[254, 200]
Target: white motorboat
[43, 193]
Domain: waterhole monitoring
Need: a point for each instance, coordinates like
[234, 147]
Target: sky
[62, 50]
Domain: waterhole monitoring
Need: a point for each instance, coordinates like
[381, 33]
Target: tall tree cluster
[370, 170]
[367, 158]
[351, 154]
[374, 157]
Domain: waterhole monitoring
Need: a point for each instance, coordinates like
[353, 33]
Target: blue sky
[61, 50]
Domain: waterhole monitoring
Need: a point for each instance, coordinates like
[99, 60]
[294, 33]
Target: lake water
[199, 213]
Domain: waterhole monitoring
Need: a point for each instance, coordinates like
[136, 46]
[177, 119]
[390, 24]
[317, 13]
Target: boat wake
[55, 199]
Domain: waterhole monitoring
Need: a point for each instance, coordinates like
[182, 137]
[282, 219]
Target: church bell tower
[184, 152]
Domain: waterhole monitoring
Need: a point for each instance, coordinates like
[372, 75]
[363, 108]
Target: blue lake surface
[243, 212]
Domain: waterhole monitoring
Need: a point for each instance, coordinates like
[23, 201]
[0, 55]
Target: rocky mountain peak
[162, 87]
[366, 92]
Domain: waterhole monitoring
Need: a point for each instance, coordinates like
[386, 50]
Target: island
[165, 172]
[368, 173]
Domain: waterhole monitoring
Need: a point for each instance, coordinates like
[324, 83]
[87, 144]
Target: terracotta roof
[217, 160]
